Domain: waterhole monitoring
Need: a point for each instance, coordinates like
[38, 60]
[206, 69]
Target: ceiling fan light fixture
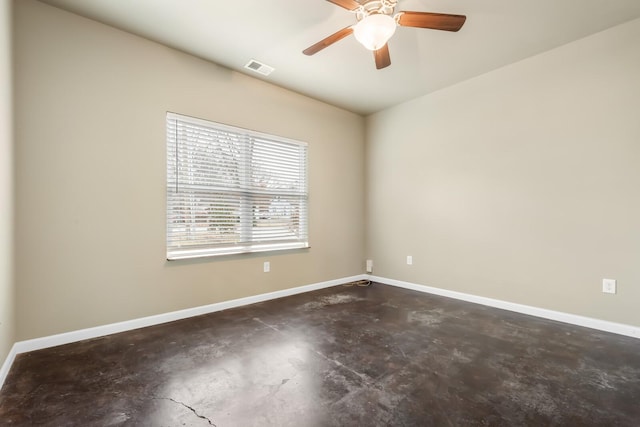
[375, 30]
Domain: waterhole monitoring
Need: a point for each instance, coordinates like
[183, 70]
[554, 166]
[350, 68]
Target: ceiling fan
[376, 23]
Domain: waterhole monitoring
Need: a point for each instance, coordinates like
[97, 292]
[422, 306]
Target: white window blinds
[231, 190]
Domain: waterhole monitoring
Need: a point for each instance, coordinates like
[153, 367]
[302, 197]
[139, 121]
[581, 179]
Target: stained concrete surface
[343, 356]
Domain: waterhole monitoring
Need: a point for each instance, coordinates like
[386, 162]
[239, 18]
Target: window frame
[249, 215]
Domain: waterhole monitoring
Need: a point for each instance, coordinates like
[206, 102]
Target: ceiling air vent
[259, 67]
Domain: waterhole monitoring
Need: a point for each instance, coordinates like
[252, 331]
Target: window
[232, 190]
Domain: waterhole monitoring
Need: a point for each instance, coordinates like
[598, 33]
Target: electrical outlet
[609, 286]
[409, 260]
[267, 267]
[369, 266]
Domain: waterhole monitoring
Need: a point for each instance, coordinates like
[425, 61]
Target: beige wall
[7, 327]
[519, 185]
[90, 172]
[522, 184]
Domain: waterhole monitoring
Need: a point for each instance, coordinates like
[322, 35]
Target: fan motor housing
[372, 7]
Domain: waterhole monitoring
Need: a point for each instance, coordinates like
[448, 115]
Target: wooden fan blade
[347, 4]
[328, 41]
[434, 21]
[382, 57]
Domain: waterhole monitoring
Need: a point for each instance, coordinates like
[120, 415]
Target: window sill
[233, 250]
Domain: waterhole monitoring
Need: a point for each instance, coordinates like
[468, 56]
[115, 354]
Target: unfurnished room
[319, 213]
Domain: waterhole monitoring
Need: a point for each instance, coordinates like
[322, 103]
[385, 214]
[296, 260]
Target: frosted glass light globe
[374, 30]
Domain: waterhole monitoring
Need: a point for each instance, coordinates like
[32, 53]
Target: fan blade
[434, 21]
[382, 57]
[347, 4]
[328, 41]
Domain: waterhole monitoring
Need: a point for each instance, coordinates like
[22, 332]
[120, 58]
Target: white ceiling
[230, 33]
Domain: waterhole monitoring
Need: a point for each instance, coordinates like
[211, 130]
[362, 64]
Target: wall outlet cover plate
[609, 286]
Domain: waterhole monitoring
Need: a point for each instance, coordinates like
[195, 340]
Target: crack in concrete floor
[189, 408]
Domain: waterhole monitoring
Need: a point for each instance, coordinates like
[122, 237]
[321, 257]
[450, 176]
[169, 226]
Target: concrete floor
[347, 356]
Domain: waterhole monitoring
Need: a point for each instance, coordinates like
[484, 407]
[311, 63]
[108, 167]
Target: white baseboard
[588, 322]
[4, 370]
[100, 331]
